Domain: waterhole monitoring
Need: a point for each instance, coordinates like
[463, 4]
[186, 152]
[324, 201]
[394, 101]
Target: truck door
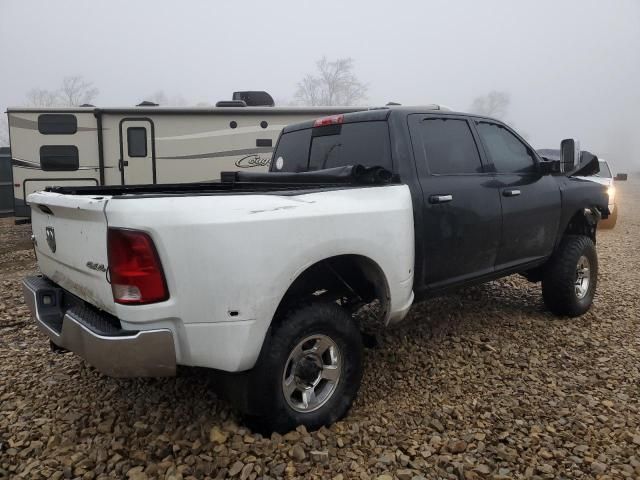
[531, 205]
[461, 214]
[137, 151]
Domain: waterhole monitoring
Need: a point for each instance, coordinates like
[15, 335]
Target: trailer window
[59, 158]
[137, 141]
[57, 124]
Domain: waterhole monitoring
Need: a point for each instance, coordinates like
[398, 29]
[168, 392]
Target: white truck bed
[228, 259]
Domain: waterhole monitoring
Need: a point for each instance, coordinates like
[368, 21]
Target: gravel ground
[480, 384]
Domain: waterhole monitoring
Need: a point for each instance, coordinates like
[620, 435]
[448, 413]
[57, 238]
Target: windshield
[604, 170]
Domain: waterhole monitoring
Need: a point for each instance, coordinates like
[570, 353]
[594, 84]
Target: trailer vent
[231, 103]
[255, 98]
[147, 103]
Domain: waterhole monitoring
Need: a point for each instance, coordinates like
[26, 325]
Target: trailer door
[137, 151]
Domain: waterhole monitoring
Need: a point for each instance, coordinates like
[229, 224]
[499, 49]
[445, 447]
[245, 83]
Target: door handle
[440, 198]
[511, 193]
[122, 164]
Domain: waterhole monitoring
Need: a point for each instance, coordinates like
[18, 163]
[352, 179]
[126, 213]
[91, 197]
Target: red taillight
[330, 120]
[134, 267]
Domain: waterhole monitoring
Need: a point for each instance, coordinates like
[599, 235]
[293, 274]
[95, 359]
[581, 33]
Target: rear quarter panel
[240, 254]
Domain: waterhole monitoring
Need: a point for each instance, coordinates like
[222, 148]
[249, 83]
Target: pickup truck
[259, 276]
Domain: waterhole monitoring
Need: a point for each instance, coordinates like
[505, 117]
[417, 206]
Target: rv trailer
[144, 144]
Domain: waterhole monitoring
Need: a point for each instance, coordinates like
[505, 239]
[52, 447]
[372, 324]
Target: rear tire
[570, 277]
[309, 371]
[610, 222]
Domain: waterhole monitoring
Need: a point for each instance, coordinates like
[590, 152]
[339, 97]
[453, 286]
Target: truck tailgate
[71, 244]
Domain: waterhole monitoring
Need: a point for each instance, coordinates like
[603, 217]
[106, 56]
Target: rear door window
[448, 146]
[362, 143]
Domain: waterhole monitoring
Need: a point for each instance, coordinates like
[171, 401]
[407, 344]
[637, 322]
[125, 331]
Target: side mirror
[569, 154]
[621, 177]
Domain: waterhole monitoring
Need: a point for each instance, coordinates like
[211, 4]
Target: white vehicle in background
[605, 177]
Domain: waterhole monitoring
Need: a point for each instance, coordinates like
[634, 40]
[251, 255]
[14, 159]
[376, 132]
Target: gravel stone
[319, 456]
[479, 384]
[457, 446]
[298, 453]
[404, 474]
[236, 468]
[598, 468]
[217, 436]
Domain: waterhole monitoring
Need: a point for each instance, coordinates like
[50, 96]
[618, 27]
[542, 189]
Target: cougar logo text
[251, 161]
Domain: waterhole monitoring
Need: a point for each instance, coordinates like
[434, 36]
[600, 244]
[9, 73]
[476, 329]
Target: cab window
[363, 143]
[360, 143]
[507, 153]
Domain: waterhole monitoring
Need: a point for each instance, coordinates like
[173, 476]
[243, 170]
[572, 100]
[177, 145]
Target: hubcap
[312, 373]
[582, 277]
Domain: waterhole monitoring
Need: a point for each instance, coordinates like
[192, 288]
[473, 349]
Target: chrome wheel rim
[583, 278]
[312, 373]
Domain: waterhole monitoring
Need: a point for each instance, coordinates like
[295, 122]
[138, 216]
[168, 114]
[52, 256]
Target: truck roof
[383, 113]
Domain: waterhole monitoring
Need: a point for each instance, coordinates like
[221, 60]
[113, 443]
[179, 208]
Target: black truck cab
[484, 205]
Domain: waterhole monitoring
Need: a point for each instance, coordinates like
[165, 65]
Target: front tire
[309, 371]
[570, 277]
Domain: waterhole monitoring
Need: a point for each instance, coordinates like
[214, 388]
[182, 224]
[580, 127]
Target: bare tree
[158, 97]
[493, 104]
[334, 83]
[76, 91]
[39, 97]
[161, 98]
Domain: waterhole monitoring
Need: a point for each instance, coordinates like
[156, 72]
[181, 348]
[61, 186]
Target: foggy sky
[572, 68]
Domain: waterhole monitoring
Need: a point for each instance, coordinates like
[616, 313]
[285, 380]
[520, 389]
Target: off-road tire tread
[274, 414]
[558, 290]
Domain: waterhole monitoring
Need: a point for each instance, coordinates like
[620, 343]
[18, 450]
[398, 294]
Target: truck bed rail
[245, 182]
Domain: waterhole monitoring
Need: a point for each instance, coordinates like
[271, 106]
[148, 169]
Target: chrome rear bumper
[98, 337]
